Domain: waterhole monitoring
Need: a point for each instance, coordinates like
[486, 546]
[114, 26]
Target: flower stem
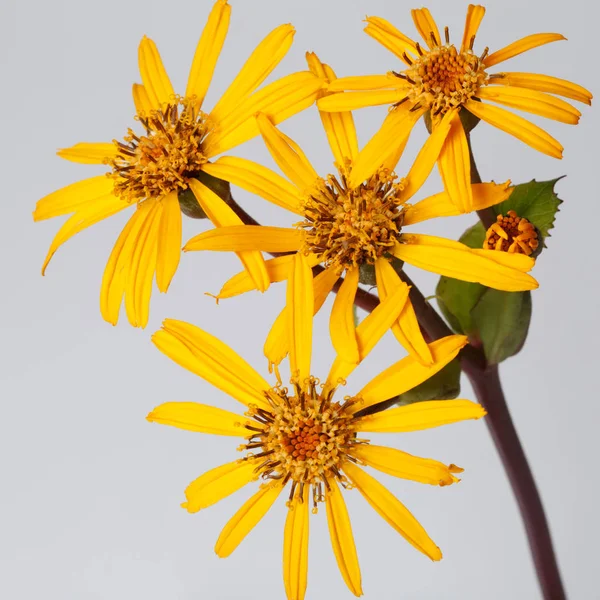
[485, 380]
[488, 389]
[486, 215]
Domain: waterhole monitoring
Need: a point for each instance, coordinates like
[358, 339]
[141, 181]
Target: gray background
[91, 491]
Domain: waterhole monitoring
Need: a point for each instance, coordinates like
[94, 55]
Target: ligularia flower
[149, 169]
[349, 222]
[305, 440]
[442, 79]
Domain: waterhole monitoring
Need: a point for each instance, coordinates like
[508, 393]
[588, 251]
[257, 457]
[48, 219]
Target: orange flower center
[162, 160]
[304, 438]
[348, 227]
[444, 78]
[513, 234]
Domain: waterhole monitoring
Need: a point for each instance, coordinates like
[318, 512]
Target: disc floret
[444, 77]
[305, 437]
[162, 160]
[348, 226]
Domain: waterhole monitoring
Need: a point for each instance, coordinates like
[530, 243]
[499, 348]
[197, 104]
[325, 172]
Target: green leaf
[501, 320]
[536, 201]
[444, 385]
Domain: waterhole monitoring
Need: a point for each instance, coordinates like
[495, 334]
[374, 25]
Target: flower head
[438, 78]
[166, 156]
[307, 440]
[349, 222]
[511, 233]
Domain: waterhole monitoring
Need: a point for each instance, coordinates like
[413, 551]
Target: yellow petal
[242, 238]
[169, 241]
[258, 67]
[352, 100]
[406, 329]
[288, 155]
[97, 210]
[142, 266]
[460, 262]
[522, 263]
[545, 83]
[439, 205]
[278, 101]
[246, 518]
[421, 415]
[143, 105]
[393, 133]
[369, 332]
[339, 126]
[532, 101]
[217, 484]
[341, 323]
[73, 197]
[299, 305]
[454, 165]
[277, 269]
[359, 83]
[277, 343]
[474, 16]
[154, 76]
[117, 268]
[408, 373]
[406, 466]
[521, 128]
[342, 540]
[208, 51]
[426, 26]
[200, 418]
[392, 511]
[258, 180]
[428, 155]
[390, 37]
[209, 358]
[96, 153]
[223, 216]
[295, 547]
[520, 46]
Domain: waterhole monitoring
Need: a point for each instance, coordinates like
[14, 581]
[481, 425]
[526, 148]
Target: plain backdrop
[90, 491]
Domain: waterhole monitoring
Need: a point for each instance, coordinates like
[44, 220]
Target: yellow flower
[150, 169]
[439, 78]
[306, 440]
[348, 222]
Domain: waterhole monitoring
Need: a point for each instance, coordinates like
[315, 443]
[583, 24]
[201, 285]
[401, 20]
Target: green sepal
[188, 203]
[444, 385]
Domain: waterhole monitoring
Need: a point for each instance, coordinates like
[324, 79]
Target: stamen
[161, 161]
[443, 78]
[419, 49]
[306, 439]
[434, 41]
[348, 227]
[484, 54]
